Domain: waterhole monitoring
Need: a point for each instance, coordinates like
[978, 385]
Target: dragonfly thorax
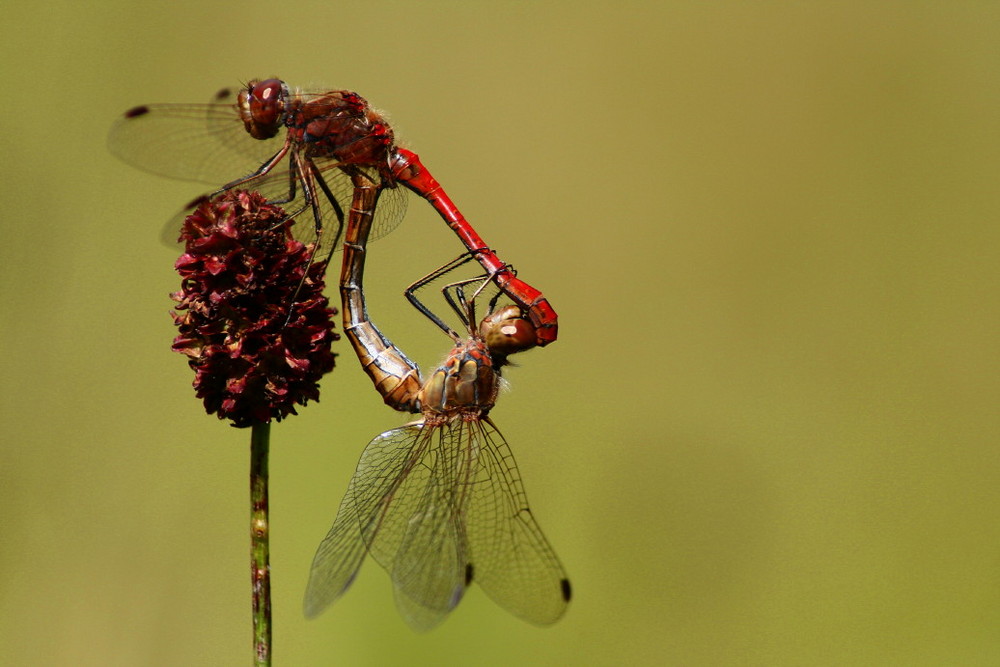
[466, 382]
[341, 125]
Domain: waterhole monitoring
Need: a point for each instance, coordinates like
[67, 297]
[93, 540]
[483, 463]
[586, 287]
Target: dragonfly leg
[262, 170]
[408, 170]
[337, 210]
[465, 308]
[411, 296]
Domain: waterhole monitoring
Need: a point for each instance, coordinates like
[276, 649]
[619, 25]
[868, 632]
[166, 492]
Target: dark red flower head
[257, 335]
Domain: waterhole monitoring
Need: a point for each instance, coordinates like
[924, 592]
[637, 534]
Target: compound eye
[262, 107]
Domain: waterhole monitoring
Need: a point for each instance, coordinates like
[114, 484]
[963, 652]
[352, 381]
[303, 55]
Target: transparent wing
[208, 143]
[412, 521]
[337, 559]
[513, 562]
[191, 142]
[333, 199]
[439, 506]
[382, 471]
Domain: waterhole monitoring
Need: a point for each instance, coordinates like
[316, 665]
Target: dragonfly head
[505, 332]
[262, 107]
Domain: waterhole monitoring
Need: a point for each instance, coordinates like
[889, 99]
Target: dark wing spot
[468, 573]
[137, 111]
[223, 94]
[566, 591]
[196, 202]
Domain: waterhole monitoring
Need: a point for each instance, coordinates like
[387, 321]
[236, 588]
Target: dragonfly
[304, 149]
[439, 502]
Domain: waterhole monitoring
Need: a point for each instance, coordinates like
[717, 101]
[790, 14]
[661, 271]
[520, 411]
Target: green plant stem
[260, 568]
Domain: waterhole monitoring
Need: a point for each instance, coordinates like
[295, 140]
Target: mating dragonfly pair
[439, 502]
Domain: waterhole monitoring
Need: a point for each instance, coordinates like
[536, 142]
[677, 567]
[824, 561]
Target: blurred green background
[767, 434]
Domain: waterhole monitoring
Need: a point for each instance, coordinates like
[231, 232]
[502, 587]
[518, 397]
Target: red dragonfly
[304, 149]
[438, 502]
